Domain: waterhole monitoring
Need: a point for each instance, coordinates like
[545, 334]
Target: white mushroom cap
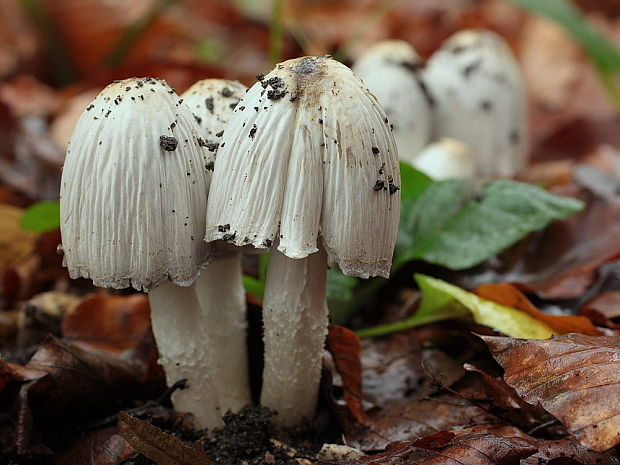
[481, 100]
[391, 70]
[446, 159]
[134, 189]
[309, 150]
[212, 101]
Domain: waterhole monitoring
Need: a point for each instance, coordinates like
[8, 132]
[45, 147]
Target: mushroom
[392, 71]
[308, 167]
[132, 204]
[480, 99]
[219, 288]
[446, 159]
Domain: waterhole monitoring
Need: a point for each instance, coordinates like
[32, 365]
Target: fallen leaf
[599, 299]
[11, 372]
[401, 400]
[446, 225]
[448, 448]
[345, 349]
[561, 261]
[441, 300]
[574, 377]
[77, 385]
[19, 42]
[25, 96]
[104, 446]
[42, 315]
[480, 449]
[8, 130]
[603, 309]
[508, 295]
[161, 447]
[506, 403]
[108, 323]
[552, 63]
[15, 244]
[566, 448]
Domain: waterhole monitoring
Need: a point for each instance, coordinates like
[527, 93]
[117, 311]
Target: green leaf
[412, 182]
[449, 227]
[604, 53]
[441, 300]
[341, 299]
[339, 286]
[208, 51]
[41, 216]
[254, 286]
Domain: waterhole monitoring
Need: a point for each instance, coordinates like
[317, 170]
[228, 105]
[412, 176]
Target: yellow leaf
[439, 295]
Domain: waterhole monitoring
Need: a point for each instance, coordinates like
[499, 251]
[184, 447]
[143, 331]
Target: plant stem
[412, 322]
[133, 32]
[60, 60]
[276, 32]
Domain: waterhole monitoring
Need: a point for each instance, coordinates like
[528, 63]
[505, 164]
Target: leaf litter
[64, 395]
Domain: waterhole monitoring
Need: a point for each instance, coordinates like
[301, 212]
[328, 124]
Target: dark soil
[250, 437]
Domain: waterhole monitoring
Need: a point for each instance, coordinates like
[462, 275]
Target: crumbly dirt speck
[168, 143]
[250, 437]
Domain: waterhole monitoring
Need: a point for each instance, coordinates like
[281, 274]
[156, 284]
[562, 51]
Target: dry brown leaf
[345, 348]
[603, 309]
[552, 62]
[15, 243]
[103, 446]
[574, 377]
[19, 42]
[511, 407]
[507, 294]
[548, 449]
[161, 447]
[25, 96]
[449, 448]
[108, 323]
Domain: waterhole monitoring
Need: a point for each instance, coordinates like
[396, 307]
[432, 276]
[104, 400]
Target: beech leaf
[441, 301]
[508, 295]
[448, 448]
[15, 244]
[161, 447]
[574, 377]
[345, 348]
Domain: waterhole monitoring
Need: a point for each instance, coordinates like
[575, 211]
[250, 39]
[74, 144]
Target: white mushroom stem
[177, 321]
[295, 326]
[222, 299]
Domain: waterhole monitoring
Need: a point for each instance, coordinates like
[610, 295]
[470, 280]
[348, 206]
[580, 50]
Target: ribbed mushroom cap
[481, 100]
[446, 159]
[309, 150]
[212, 101]
[134, 189]
[391, 70]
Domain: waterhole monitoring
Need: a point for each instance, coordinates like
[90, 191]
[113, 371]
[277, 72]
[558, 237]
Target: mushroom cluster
[310, 170]
[476, 94]
[133, 205]
[306, 166]
[392, 71]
